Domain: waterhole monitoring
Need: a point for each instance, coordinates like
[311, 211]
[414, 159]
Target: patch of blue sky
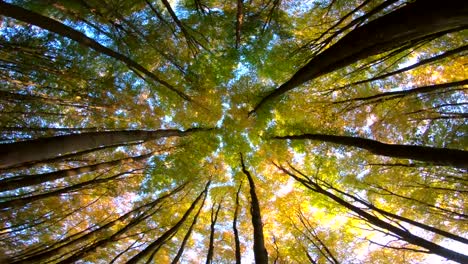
[245, 135]
[303, 6]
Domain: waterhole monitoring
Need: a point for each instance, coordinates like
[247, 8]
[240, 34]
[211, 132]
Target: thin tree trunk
[234, 227]
[29, 180]
[52, 25]
[403, 219]
[327, 254]
[19, 202]
[239, 21]
[260, 252]
[96, 233]
[214, 218]
[377, 98]
[403, 234]
[423, 62]
[410, 24]
[187, 235]
[309, 257]
[192, 43]
[12, 154]
[151, 248]
[437, 156]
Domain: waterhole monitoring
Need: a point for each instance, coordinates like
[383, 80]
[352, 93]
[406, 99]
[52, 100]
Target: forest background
[274, 131]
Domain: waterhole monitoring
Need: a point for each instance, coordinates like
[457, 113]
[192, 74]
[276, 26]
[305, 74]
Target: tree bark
[423, 62]
[403, 219]
[239, 21]
[214, 219]
[260, 252]
[52, 25]
[29, 180]
[436, 156]
[415, 21]
[95, 234]
[234, 227]
[371, 219]
[151, 248]
[377, 98]
[187, 235]
[19, 202]
[12, 154]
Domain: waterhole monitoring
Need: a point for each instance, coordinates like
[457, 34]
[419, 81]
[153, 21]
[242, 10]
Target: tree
[128, 129]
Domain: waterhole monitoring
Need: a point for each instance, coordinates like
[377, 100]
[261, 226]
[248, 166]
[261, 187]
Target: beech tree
[214, 131]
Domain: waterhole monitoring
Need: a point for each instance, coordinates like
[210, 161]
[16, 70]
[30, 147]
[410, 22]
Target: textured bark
[52, 25]
[371, 219]
[137, 214]
[12, 154]
[412, 23]
[29, 180]
[71, 156]
[437, 156]
[152, 248]
[234, 227]
[260, 252]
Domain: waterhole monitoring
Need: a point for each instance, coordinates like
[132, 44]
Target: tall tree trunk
[371, 219]
[420, 63]
[437, 156]
[52, 25]
[403, 219]
[214, 218]
[187, 235]
[19, 202]
[12, 154]
[239, 21]
[29, 180]
[415, 21]
[151, 248]
[136, 213]
[326, 252]
[234, 227]
[260, 252]
[381, 97]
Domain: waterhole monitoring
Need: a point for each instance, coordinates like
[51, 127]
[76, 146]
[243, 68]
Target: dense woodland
[209, 131]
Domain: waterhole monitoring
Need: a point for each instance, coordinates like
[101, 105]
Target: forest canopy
[267, 131]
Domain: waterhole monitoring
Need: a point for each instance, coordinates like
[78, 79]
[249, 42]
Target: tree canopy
[269, 131]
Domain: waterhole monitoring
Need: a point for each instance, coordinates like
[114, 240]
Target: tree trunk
[12, 154]
[19, 202]
[29, 180]
[239, 21]
[420, 63]
[95, 234]
[234, 227]
[169, 233]
[187, 235]
[260, 252]
[437, 156]
[214, 218]
[381, 97]
[52, 25]
[415, 21]
[403, 219]
[371, 219]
